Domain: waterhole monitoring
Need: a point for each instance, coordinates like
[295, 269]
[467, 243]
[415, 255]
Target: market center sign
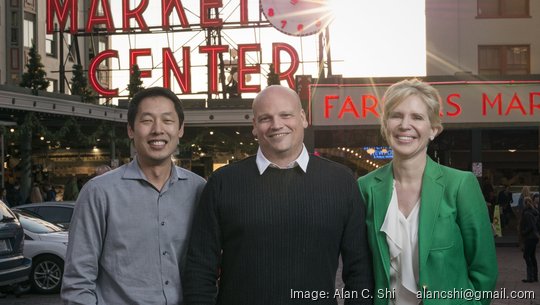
[461, 102]
[66, 10]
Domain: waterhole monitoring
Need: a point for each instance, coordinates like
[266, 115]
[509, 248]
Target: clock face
[297, 17]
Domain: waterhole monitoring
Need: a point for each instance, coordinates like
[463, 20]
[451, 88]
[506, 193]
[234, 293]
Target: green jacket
[455, 241]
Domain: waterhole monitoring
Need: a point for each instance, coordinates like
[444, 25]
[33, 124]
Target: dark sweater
[273, 234]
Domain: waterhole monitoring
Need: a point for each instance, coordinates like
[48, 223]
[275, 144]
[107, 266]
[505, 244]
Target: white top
[263, 163]
[402, 238]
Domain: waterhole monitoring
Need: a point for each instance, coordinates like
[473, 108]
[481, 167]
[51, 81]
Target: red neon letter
[348, 106]
[243, 12]
[518, 105]
[136, 13]
[95, 19]
[243, 69]
[166, 10]
[69, 9]
[133, 54]
[206, 21]
[276, 60]
[450, 102]
[327, 105]
[212, 64]
[532, 105]
[184, 79]
[93, 69]
[497, 100]
[372, 108]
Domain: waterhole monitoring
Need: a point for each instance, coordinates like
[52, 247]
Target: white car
[46, 244]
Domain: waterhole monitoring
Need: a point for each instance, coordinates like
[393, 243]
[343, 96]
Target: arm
[87, 231]
[473, 220]
[357, 265]
[204, 252]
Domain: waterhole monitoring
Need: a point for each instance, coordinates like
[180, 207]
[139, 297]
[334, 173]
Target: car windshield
[5, 213]
[37, 225]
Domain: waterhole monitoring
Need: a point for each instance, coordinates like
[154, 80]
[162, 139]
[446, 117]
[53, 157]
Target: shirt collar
[133, 171]
[263, 163]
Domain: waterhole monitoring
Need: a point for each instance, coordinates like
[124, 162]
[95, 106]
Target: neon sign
[461, 102]
[65, 10]
[379, 152]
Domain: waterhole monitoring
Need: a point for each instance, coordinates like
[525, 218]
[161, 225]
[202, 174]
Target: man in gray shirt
[129, 230]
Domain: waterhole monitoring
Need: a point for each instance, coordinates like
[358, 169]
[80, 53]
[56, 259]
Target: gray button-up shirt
[127, 240]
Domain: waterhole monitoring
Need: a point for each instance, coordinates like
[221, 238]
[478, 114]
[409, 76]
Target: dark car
[14, 267]
[56, 212]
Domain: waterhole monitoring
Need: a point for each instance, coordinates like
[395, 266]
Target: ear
[253, 131]
[435, 131]
[304, 120]
[181, 131]
[131, 132]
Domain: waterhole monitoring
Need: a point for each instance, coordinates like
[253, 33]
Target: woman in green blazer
[428, 225]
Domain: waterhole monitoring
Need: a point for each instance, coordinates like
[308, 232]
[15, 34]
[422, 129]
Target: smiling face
[155, 131]
[408, 128]
[278, 123]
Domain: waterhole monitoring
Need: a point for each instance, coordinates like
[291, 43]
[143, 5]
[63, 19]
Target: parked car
[58, 213]
[46, 245]
[14, 267]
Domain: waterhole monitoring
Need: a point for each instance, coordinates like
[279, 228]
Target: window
[51, 44]
[29, 29]
[53, 85]
[503, 9]
[504, 60]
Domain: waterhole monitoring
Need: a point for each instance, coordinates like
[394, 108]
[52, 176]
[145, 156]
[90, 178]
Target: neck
[409, 170]
[283, 160]
[158, 174]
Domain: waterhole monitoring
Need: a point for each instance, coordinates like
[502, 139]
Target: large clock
[297, 17]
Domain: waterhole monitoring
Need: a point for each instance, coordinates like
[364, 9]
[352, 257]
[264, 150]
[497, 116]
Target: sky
[367, 39]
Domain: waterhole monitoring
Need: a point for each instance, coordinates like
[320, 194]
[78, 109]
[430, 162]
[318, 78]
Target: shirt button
[164, 252]
[166, 282]
[163, 223]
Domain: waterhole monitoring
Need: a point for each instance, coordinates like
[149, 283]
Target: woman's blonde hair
[399, 91]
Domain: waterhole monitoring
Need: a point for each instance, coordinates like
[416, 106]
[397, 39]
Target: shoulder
[108, 179]
[318, 163]
[244, 166]
[191, 176]
[374, 177]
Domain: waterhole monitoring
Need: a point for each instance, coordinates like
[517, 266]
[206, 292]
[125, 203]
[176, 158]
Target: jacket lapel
[430, 201]
[382, 193]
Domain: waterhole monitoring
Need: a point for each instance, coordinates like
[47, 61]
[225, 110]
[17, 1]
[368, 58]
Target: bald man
[270, 229]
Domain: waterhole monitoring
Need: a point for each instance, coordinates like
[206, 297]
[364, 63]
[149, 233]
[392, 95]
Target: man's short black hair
[152, 92]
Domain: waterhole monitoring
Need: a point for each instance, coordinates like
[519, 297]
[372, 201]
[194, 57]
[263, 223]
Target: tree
[34, 77]
[273, 78]
[135, 82]
[79, 85]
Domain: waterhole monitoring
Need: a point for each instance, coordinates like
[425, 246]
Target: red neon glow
[63, 12]
[328, 105]
[133, 54]
[371, 108]
[449, 101]
[288, 75]
[497, 101]
[212, 52]
[243, 69]
[532, 105]
[167, 8]
[94, 19]
[206, 21]
[93, 69]
[348, 107]
[515, 104]
[134, 14]
[244, 16]
[169, 63]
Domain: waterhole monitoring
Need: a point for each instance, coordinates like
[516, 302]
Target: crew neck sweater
[274, 234]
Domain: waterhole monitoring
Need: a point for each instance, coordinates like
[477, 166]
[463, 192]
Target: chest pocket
[444, 233]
